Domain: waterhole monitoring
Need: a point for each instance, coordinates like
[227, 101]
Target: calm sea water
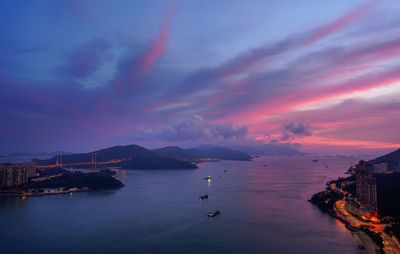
[263, 206]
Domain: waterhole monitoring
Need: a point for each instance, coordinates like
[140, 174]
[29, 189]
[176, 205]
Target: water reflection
[262, 208]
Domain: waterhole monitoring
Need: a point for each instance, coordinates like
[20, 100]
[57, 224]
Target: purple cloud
[292, 131]
[85, 59]
[196, 128]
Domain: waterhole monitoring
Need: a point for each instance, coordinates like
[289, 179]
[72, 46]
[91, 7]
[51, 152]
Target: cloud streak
[196, 128]
[342, 22]
[135, 70]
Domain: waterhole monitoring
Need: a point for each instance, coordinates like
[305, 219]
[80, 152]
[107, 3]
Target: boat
[207, 178]
[203, 196]
[314, 160]
[215, 213]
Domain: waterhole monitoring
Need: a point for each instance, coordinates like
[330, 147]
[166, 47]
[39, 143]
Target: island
[23, 180]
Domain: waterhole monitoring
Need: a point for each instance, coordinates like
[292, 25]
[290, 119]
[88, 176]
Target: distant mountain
[223, 153]
[269, 149]
[24, 157]
[180, 153]
[393, 159]
[127, 157]
[202, 152]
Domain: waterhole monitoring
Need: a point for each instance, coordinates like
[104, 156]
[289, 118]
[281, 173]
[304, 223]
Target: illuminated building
[366, 188]
[16, 174]
[381, 168]
[370, 192]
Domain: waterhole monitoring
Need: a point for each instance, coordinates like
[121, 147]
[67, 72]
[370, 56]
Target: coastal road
[391, 245]
[340, 206]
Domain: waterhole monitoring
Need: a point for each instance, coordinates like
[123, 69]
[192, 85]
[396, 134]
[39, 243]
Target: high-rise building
[16, 174]
[366, 186]
[362, 170]
[370, 192]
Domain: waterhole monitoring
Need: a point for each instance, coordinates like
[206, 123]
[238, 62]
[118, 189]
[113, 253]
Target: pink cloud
[143, 66]
[288, 102]
[157, 48]
[341, 23]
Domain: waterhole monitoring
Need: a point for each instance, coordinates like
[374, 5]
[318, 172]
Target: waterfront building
[16, 174]
[362, 171]
[381, 168]
[366, 188]
[370, 192]
[355, 208]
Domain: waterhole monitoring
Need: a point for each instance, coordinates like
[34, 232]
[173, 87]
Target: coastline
[367, 243]
[24, 194]
[364, 240]
[326, 201]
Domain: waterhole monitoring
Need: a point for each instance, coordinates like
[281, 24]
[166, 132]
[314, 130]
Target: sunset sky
[318, 75]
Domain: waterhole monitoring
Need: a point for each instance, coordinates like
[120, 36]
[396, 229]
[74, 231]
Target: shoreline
[369, 246]
[28, 194]
[364, 240]
[42, 194]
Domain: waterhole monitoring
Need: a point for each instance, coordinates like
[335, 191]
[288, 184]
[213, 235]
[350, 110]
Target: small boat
[207, 178]
[314, 160]
[215, 213]
[225, 170]
[203, 196]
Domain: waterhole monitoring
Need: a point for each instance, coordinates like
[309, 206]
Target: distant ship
[203, 196]
[215, 213]
[314, 160]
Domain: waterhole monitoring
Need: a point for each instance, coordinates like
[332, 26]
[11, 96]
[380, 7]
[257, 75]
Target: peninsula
[367, 202]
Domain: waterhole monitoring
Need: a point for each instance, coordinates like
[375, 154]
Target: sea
[263, 203]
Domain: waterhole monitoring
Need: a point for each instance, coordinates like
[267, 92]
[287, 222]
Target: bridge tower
[94, 160]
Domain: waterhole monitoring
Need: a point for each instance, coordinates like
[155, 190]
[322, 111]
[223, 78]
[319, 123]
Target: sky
[318, 75]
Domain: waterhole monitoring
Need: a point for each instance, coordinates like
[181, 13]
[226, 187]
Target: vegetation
[94, 181]
[325, 200]
[51, 171]
[392, 159]
[377, 238]
[395, 230]
[388, 191]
